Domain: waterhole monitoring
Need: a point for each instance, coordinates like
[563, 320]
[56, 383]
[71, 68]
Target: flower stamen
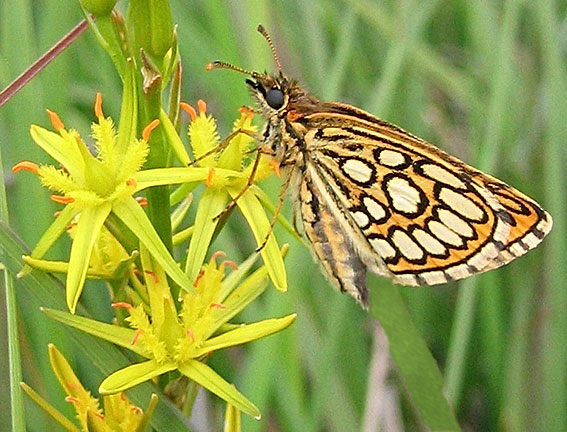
[121, 305]
[149, 128]
[59, 199]
[136, 336]
[210, 177]
[25, 165]
[153, 276]
[217, 254]
[231, 264]
[142, 201]
[189, 110]
[247, 111]
[55, 121]
[98, 106]
[202, 106]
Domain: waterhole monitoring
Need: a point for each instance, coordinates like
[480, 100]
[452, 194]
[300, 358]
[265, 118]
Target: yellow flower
[91, 187]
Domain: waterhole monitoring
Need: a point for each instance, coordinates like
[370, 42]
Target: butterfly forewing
[428, 216]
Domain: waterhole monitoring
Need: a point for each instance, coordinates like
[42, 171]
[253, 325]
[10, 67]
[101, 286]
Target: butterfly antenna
[225, 65]
[264, 33]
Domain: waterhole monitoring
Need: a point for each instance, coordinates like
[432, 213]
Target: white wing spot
[461, 204]
[382, 247]
[442, 175]
[358, 170]
[405, 198]
[444, 234]
[374, 208]
[392, 159]
[429, 243]
[451, 220]
[408, 248]
[361, 219]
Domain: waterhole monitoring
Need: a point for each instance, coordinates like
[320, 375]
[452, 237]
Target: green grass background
[486, 81]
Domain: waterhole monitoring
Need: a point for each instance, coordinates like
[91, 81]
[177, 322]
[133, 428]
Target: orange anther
[246, 111]
[198, 278]
[217, 254]
[131, 182]
[210, 67]
[25, 165]
[217, 305]
[72, 400]
[136, 409]
[99, 415]
[231, 264]
[71, 226]
[62, 199]
[276, 166]
[55, 120]
[136, 336]
[121, 305]
[210, 177]
[149, 128]
[191, 335]
[142, 201]
[202, 106]
[98, 106]
[152, 274]
[189, 109]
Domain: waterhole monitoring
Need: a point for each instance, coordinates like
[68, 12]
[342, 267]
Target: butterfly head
[272, 92]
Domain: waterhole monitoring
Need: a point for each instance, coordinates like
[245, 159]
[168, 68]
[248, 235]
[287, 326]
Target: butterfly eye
[275, 98]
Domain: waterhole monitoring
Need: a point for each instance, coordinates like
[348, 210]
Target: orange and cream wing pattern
[410, 211]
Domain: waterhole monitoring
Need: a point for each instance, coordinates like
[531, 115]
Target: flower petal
[209, 379]
[87, 230]
[166, 176]
[64, 149]
[136, 219]
[245, 333]
[230, 282]
[117, 335]
[133, 375]
[173, 139]
[211, 204]
[50, 236]
[254, 214]
[65, 423]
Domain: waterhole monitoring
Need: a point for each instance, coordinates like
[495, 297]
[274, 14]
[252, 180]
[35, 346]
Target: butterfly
[373, 197]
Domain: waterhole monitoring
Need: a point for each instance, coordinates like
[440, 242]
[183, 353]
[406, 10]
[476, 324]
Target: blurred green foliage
[486, 81]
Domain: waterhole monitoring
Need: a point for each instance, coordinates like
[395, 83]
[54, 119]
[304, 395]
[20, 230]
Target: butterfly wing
[411, 211]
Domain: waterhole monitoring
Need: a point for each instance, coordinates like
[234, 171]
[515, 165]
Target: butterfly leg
[249, 183]
[224, 144]
[278, 208]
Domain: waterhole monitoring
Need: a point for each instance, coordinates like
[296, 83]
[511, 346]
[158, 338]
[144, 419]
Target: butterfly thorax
[282, 102]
